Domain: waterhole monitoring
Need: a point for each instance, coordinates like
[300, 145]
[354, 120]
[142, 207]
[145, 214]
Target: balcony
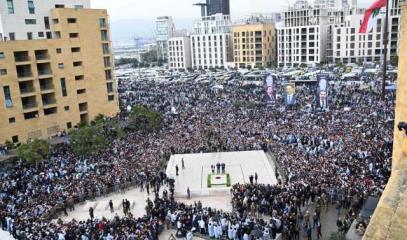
[27, 88]
[44, 70]
[48, 100]
[46, 85]
[22, 58]
[24, 73]
[29, 103]
[42, 56]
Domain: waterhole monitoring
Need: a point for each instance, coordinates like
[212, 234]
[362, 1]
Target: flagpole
[385, 42]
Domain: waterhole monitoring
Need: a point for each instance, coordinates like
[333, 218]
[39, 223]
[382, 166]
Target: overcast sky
[130, 9]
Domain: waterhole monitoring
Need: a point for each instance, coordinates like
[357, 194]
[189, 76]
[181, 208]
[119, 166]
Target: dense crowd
[342, 155]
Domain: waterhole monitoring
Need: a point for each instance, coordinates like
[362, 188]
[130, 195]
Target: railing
[42, 57]
[30, 105]
[44, 72]
[22, 58]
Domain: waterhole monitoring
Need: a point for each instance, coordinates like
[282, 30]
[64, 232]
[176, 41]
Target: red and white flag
[371, 15]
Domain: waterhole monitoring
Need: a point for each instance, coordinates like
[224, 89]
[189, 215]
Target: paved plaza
[239, 165]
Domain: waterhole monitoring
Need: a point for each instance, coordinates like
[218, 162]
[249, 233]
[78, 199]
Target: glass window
[2, 56]
[30, 21]
[10, 6]
[60, 65]
[3, 72]
[104, 35]
[7, 96]
[31, 8]
[63, 87]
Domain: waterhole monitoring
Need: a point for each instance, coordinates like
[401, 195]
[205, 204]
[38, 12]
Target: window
[63, 87]
[2, 56]
[102, 22]
[29, 35]
[59, 50]
[30, 21]
[69, 125]
[14, 139]
[49, 35]
[78, 78]
[75, 49]
[59, 6]
[7, 97]
[108, 74]
[71, 20]
[80, 91]
[60, 65]
[77, 64]
[105, 47]
[55, 20]
[104, 35]
[10, 6]
[66, 108]
[12, 36]
[46, 22]
[12, 120]
[3, 72]
[110, 98]
[41, 34]
[106, 61]
[73, 35]
[109, 87]
[31, 8]
[78, 6]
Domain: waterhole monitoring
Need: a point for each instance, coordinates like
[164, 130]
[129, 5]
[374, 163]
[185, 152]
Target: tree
[149, 57]
[251, 105]
[144, 119]
[394, 60]
[87, 139]
[34, 151]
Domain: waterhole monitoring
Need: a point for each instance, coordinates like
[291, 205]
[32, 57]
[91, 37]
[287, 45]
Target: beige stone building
[389, 220]
[51, 85]
[254, 45]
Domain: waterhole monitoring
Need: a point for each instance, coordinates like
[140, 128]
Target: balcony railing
[30, 105]
[22, 58]
[41, 57]
[44, 72]
[24, 74]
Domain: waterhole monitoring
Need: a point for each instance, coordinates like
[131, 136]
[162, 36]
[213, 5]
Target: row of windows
[31, 6]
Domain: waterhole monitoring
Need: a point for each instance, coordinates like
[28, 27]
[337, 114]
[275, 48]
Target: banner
[270, 88]
[322, 92]
[290, 94]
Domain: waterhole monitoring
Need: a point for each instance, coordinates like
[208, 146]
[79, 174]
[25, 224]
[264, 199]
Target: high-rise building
[212, 7]
[254, 43]
[211, 42]
[302, 35]
[56, 68]
[164, 31]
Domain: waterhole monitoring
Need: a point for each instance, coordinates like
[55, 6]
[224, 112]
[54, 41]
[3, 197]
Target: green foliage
[33, 151]
[87, 139]
[250, 105]
[149, 57]
[303, 65]
[10, 145]
[238, 104]
[228, 180]
[123, 61]
[208, 181]
[144, 119]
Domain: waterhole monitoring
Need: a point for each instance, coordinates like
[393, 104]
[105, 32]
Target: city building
[212, 7]
[302, 35]
[254, 43]
[350, 46]
[164, 30]
[53, 84]
[211, 42]
[179, 51]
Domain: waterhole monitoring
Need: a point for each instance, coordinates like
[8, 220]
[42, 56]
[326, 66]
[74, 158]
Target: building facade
[211, 42]
[164, 31]
[350, 46]
[302, 36]
[26, 20]
[213, 7]
[51, 85]
[179, 53]
[254, 44]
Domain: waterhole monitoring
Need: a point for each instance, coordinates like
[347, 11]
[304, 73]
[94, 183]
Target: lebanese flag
[371, 14]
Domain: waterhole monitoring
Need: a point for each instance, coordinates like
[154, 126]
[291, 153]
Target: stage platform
[239, 165]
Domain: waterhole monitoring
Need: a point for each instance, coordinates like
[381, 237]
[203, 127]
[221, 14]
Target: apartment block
[254, 44]
[164, 31]
[211, 42]
[179, 53]
[51, 85]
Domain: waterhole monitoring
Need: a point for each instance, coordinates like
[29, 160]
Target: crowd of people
[341, 154]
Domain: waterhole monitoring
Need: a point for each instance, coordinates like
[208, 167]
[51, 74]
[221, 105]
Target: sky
[132, 9]
[135, 18]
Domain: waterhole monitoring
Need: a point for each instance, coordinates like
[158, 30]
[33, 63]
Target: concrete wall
[390, 218]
